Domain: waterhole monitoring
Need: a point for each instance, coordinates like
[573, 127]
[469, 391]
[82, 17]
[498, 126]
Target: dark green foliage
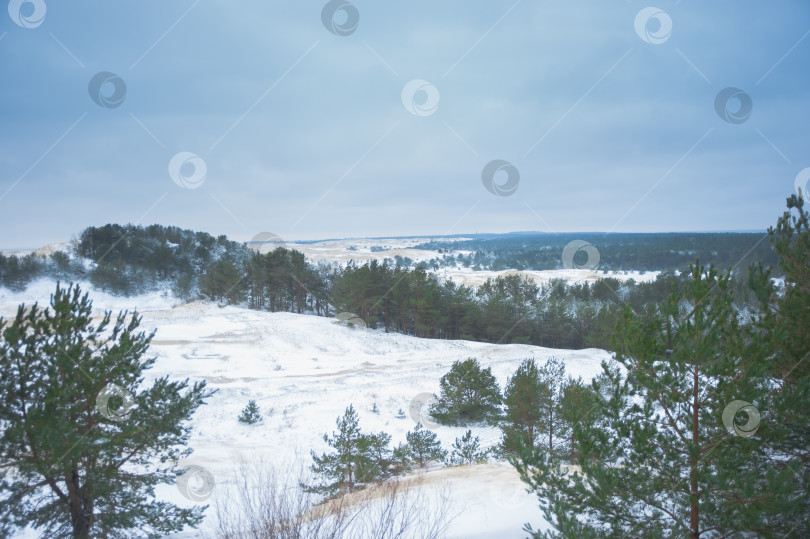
[222, 281]
[357, 460]
[780, 333]
[183, 287]
[115, 277]
[469, 394]
[787, 314]
[659, 461]
[73, 466]
[132, 259]
[282, 280]
[533, 405]
[422, 446]
[552, 382]
[467, 450]
[381, 454]
[250, 413]
[580, 404]
[509, 303]
[509, 309]
[17, 271]
[617, 251]
[522, 408]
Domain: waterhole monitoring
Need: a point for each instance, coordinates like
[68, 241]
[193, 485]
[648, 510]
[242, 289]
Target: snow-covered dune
[303, 371]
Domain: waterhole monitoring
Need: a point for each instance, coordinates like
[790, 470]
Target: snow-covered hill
[303, 371]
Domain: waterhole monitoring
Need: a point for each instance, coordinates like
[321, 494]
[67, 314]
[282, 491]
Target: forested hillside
[127, 260]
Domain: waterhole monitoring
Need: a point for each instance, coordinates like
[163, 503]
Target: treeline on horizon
[617, 251]
[413, 300]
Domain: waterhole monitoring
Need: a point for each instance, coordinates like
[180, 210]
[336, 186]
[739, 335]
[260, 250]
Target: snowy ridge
[303, 371]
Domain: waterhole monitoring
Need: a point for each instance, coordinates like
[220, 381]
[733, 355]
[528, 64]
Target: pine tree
[580, 404]
[82, 447]
[422, 447]
[377, 447]
[358, 459]
[469, 394]
[781, 329]
[467, 450]
[250, 413]
[660, 462]
[401, 457]
[552, 381]
[522, 414]
[223, 281]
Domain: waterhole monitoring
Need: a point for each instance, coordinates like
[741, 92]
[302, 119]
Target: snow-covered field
[303, 371]
[360, 251]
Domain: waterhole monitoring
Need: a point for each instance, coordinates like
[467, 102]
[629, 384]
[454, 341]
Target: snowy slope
[303, 371]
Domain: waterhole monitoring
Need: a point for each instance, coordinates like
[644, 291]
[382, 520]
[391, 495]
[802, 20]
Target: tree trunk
[694, 514]
[80, 516]
[573, 441]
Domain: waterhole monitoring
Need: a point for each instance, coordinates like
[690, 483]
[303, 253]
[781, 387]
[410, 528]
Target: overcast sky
[315, 120]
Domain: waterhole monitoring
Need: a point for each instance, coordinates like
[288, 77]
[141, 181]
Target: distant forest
[617, 251]
[399, 297]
